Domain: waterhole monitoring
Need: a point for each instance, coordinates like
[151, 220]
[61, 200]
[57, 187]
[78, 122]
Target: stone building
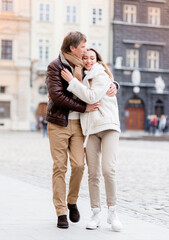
[14, 64]
[141, 60]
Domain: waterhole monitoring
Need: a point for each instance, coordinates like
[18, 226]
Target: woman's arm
[99, 87]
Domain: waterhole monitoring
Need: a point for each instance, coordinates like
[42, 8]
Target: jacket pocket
[101, 111]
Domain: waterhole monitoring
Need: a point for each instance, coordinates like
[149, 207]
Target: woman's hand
[66, 75]
[112, 90]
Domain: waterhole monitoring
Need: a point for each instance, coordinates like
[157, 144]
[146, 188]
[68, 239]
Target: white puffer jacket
[94, 88]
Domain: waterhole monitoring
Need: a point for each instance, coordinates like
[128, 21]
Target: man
[64, 128]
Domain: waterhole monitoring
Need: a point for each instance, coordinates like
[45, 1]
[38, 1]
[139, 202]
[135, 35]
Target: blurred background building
[15, 28]
[132, 36]
[141, 58]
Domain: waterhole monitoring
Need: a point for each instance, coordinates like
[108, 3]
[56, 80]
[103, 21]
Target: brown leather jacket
[61, 101]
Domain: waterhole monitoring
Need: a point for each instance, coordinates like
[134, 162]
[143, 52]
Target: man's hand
[112, 90]
[92, 107]
[66, 75]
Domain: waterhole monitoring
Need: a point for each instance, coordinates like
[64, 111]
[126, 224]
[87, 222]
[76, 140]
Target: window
[97, 16]
[154, 16]
[43, 53]
[153, 59]
[129, 13]
[4, 109]
[2, 89]
[98, 46]
[132, 58]
[71, 14]
[6, 49]
[7, 5]
[43, 90]
[44, 12]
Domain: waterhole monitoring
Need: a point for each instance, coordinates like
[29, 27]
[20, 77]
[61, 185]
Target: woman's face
[89, 59]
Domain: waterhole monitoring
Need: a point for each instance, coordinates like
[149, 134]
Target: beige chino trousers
[62, 140]
[101, 153]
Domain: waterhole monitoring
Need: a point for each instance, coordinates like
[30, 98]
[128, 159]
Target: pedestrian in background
[101, 129]
[64, 128]
[162, 123]
[154, 124]
[44, 127]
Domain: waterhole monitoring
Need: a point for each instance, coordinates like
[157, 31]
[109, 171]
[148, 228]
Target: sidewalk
[27, 213]
[142, 135]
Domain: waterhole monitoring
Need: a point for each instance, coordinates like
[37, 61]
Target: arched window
[159, 108]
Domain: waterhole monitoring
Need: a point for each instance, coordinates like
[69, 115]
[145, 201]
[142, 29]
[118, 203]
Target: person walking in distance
[64, 128]
[101, 129]
[44, 127]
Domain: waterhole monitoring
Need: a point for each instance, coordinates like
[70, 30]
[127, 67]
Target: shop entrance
[41, 113]
[134, 114]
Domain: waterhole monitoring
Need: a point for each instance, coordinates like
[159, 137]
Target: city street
[142, 172]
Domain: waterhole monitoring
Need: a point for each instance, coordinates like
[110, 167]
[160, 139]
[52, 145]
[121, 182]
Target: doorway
[41, 112]
[135, 115]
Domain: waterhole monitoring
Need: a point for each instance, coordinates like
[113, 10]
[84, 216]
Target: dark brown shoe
[74, 214]
[62, 222]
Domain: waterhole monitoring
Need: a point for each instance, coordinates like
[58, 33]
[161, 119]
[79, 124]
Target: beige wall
[15, 73]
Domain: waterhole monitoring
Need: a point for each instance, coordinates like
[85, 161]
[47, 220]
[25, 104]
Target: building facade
[141, 60]
[31, 34]
[15, 64]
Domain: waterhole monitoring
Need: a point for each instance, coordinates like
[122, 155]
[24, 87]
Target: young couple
[82, 112]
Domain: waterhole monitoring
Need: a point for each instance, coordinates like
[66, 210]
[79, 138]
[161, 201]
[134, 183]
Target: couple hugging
[82, 114]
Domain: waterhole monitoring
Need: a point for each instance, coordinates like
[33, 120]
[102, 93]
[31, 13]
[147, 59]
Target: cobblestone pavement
[142, 172]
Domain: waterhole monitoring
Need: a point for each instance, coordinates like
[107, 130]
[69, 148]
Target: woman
[101, 129]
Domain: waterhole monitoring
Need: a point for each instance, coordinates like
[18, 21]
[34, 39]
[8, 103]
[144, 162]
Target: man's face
[80, 50]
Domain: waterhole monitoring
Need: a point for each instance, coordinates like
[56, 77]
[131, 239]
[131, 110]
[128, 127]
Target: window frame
[6, 49]
[7, 5]
[44, 13]
[98, 46]
[129, 13]
[152, 60]
[97, 16]
[154, 18]
[2, 89]
[132, 60]
[43, 52]
[6, 106]
[71, 15]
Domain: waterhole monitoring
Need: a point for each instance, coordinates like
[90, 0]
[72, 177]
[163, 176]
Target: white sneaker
[112, 219]
[95, 220]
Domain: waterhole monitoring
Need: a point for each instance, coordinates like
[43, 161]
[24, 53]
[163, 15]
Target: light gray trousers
[101, 152]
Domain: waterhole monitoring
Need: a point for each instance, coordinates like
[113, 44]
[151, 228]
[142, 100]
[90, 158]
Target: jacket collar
[95, 70]
[64, 61]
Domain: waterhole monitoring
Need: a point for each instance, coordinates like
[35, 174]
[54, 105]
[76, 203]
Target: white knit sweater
[94, 88]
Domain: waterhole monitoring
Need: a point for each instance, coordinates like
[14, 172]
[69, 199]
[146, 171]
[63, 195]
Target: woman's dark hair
[72, 39]
[100, 60]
